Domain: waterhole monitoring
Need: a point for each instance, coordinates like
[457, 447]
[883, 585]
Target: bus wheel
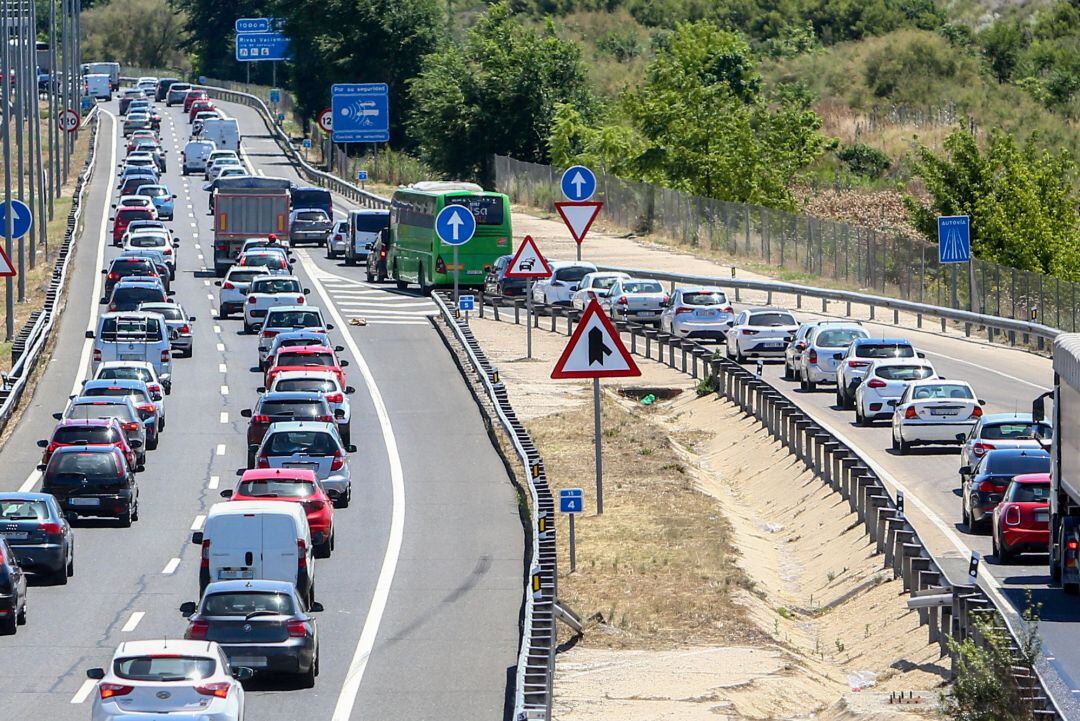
[425, 289]
[401, 284]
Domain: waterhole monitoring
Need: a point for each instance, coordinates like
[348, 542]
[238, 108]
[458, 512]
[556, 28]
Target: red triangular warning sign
[528, 262]
[595, 350]
[7, 270]
[579, 216]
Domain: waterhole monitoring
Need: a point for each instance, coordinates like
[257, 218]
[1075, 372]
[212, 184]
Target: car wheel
[60, 577]
[401, 284]
[903, 446]
[333, 541]
[152, 443]
[739, 357]
[788, 375]
[222, 313]
[425, 289]
[247, 328]
[20, 617]
[860, 419]
[311, 595]
[895, 444]
[70, 570]
[811, 385]
[125, 519]
[369, 276]
[322, 550]
[307, 679]
[9, 626]
[965, 516]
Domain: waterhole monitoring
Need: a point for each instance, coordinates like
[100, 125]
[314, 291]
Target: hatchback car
[176, 93]
[39, 534]
[134, 201]
[639, 300]
[130, 293]
[281, 406]
[89, 432]
[762, 332]
[300, 358]
[215, 167]
[119, 407]
[150, 413]
[338, 239]
[594, 286]
[884, 383]
[170, 678]
[1021, 520]
[559, 288]
[138, 370]
[92, 481]
[1003, 430]
[296, 486]
[375, 263]
[192, 97]
[164, 270]
[701, 313]
[125, 215]
[309, 225]
[234, 288]
[326, 384]
[269, 292]
[259, 624]
[311, 446]
[825, 347]
[154, 239]
[985, 483]
[287, 318]
[162, 199]
[934, 412]
[181, 335]
[162, 89]
[126, 267]
[12, 590]
[274, 262]
[858, 357]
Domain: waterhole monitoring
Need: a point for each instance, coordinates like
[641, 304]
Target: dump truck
[249, 207]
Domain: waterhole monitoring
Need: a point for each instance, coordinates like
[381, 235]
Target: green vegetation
[143, 33]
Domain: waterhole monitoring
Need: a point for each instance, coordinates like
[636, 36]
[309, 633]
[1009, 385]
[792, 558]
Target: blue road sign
[361, 175]
[578, 183]
[455, 225]
[281, 117]
[202, 80]
[466, 302]
[571, 500]
[253, 25]
[954, 238]
[255, 47]
[21, 222]
[275, 96]
[307, 142]
[361, 112]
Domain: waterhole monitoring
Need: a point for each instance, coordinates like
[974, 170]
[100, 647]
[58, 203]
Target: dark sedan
[496, 282]
[12, 591]
[92, 481]
[280, 406]
[985, 483]
[39, 534]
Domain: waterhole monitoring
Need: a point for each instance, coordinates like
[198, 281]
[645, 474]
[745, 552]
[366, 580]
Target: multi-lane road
[423, 593]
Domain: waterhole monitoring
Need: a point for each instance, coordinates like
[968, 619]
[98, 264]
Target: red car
[139, 135]
[124, 215]
[197, 107]
[1021, 519]
[297, 486]
[192, 96]
[88, 432]
[304, 358]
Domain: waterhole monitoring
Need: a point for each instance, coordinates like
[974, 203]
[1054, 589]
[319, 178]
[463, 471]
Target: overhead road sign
[595, 350]
[954, 239]
[326, 120]
[579, 217]
[254, 25]
[256, 47]
[361, 113]
[21, 221]
[68, 120]
[528, 262]
[455, 225]
[578, 183]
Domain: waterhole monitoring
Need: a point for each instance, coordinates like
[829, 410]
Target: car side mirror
[1038, 409]
[349, 390]
[187, 608]
[43, 443]
[339, 413]
[114, 204]
[112, 219]
[217, 283]
[982, 402]
[261, 389]
[141, 467]
[58, 416]
[243, 673]
[227, 493]
[329, 326]
[965, 470]
[197, 538]
[343, 363]
[135, 443]
[961, 437]
[170, 292]
[176, 244]
[174, 197]
[339, 349]
[40, 466]
[920, 354]
[837, 356]
[104, 271]
[246, 413]
[191, 319]
[350, 448]
[307, 291]
[316, 607]
[95, 674]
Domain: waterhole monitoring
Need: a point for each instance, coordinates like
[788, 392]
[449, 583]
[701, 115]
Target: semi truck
[1064, 462]
[248, 207]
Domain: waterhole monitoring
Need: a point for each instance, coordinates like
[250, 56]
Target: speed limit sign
[326, 120]
[68, 120]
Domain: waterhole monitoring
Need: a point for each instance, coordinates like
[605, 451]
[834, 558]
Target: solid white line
[988, 370]
[87, 686]
[224, 418]
[214, 481]
[366, 643]
[30, 481]
[133, 622]
[397, 322]
[197, 524]
[170, 567]
[220, 449]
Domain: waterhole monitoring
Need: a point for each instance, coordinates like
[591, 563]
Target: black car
[282, 406]
[985, 483]
[39, 534]
[92, 481]
[496, 282]
[129, 296]
[126, 267]
[162, 88]
[133, 182]
[12, 591]
[376, 258]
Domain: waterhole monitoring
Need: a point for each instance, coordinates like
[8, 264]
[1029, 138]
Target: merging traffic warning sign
[595, 350]
[528, 262]
[7, 270]
[579, 216]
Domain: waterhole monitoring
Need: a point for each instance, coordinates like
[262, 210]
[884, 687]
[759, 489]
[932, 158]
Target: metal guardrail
[35, 333]
[536, 658]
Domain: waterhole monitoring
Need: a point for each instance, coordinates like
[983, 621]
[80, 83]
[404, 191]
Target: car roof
[557, 264]
[134, 314]
[255, 584]
[278, 309]
[205, 649]
[702, 289]
[291, 396]
[768, 309]
[238, 508]
[263, 474]
[290, 426]
[113, 383]
[85, 422]
[940, 381]
[1006, 417]
[883, 341]
[298, 373]
[1032, 478]
[85, 449]
[24, 496]
[313, 348]
[279, 277]
[916, 361]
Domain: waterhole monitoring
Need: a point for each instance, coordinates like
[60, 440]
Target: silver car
[637, 299]
[817, 362]
[697, 313]
[326, 384]
[1003, 430]
[234, 288]
[338, 241]
[309, 225]
[287, 318]
[181, 337]
[313, 446]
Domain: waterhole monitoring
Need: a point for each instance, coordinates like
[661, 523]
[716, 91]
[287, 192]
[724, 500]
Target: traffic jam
[259, 544]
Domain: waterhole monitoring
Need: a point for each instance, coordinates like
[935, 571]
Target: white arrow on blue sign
[954, 239]
[21, 221]
[578, 183]
[455, 225]
[571, 500]
[307, 142]
[361, 175]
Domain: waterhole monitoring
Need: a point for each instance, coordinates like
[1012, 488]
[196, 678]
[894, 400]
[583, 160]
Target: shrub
[909, 60]
[622, 45]
[864, 160]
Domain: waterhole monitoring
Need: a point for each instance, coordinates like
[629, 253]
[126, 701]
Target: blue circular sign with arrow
[455, 225]
[21, 220]
[578, 183]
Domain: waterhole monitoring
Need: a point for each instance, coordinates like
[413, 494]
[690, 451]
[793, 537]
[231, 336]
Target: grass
[659, 566]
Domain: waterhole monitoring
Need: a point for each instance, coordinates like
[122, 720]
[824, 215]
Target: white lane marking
[217, 329]
[397, 322]
[209, 296]
[221, 347]
[220, 449]
[214, 481]
[987, 369]
[199, 247]
[224, 417]
[224, 390]
[222, 368]
[133, 622]
[201, 258]
[170, 567]
[205, 282]
[84, 691]
[375, 310]
[366, 643]
[197, 524]
[30, 481]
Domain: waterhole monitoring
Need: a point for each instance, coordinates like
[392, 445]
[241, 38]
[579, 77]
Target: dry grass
[659, 565]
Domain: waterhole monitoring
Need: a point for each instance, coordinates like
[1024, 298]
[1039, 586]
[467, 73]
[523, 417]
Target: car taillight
[268, 333]
[49, 529]
[111, 690]
[982, 447]
[991, 487]
[131, 426]
[911, 412]
[204, 560]
[857, 364]
[623, 300]
[251, 299]
[683, 309]
[325, 419]
[312, 506]
[114, 276]
[168, 251]
[301, 553]
[877, 383]
[297, 629]
[747, 331]
[165, 356]
[440, 266]
[339, 461]
[335, 398]
[727, 309]
[219, 689]
[299, 300]
[196, 631]
[261, 419]
[185, 329]
[1012, 516]
[382, 254]
[221, 247]
[97, 355]
[976, 412]
[228, 286]
[154, 388]
[812, 358]
[262, 462]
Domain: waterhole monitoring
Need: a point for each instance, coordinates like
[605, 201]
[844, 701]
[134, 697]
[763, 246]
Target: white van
[267, 540]
[110, 69]
[97, 86]
[224, 132]
[194, 155]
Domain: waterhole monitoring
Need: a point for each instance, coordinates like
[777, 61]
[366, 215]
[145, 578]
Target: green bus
[416, 255]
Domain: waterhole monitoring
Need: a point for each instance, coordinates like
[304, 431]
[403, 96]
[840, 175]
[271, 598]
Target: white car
[762, 332]
[326, 384]
[825, 346]
[338, 240]
[934, 412]
[595, 286]
[858, 357]
[148, 86]
[702, 312]
[558, 289]
[234, 288]
[153, 239]
[637, 299]
[266, 293]
[134, 201]
[884, 383]
[216, 167]
[171, 678]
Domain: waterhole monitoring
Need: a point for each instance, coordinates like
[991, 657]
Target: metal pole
[40, 189]
[573, 545]
[528, 319]
[579, 251]
[955, 296]
[5, 68]
[54, 137]
[20, 117]
[971, 284]
[599, 456]
[65, 97]
[455, 277]
[33, 117]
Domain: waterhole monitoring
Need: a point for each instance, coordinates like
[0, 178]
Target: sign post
[595, 351]
[578, 185]
[572, 502]
[455, 225]
[529, 263]
[954, 246]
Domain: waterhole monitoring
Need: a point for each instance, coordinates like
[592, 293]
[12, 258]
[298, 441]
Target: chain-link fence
[866, 259]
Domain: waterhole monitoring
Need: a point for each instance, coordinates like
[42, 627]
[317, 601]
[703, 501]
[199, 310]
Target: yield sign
[579, 216]
[528, 262]
[7, 270]
[595, 350]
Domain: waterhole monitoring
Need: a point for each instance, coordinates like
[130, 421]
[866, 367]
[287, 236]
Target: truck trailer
[249, 208]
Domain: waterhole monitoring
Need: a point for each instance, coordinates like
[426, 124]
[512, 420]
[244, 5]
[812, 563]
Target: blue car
[163, 199]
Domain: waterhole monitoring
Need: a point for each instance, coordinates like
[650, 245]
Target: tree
[1002, 43]
[495, 94]
[210, 37]
[142, 33]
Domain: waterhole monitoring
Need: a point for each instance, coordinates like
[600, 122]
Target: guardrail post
[875, 501]
[798, 300]
[967, 329]
[873, 309]
[918, 320]
[911, 550]
[848, 311]
[517, 314]
[900, 538]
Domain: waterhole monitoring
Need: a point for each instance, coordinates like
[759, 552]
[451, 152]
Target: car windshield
[1016, 431]
[1013, 464]
[838, 337]
[276, 285]
[884, 350]
[305, 359]
[117, 392]
[294, 319]
[265, 260]
[904, 373]
[123, 269]
[88, 411]
[243, 276]
[164, 668]
[128, 297]
[603, 283]
[246, 603]
[148, 240]
[126, 373]
[704, 298]
[152, 192]
[135, 214]
[939, 391]
[15, 509]
[72, 466]
[771, 320]
[315, 385]
[298, 409]
[313, 443]
[285, 488]
[85, 435]
[642, 286]
[572, 274]
[1028, 493]
[311, 215]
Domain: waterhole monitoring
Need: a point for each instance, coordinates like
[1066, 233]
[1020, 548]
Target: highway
[423, 593]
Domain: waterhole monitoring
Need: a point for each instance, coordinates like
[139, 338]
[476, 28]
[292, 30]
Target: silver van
[365, 226]
[134, 336]
[193, 157]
